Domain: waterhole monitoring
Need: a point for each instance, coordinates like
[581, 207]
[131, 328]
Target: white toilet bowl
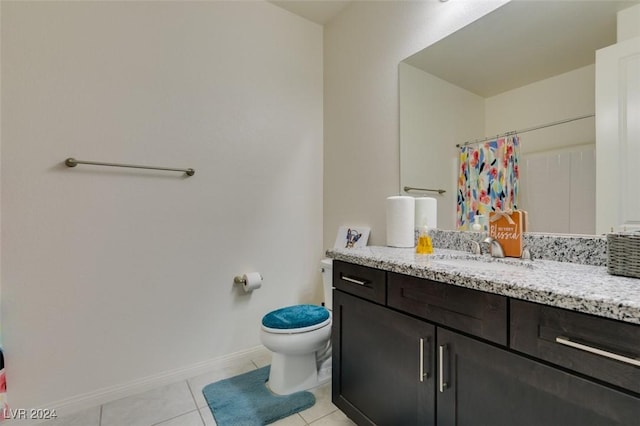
[294, 363]
[299, 338]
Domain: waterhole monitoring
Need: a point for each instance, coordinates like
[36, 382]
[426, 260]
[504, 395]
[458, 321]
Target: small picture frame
[352, 236]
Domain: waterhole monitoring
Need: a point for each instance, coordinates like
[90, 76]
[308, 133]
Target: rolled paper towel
[252, 281]
[426, 212]
[400, 221]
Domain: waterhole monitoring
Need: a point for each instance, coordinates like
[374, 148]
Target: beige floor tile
[190, 419]
[293, 420]
[89, 417]
[149, 408]
[337, 418]
[174, 405]
[205, 412]
[197, 383]
[323, 405]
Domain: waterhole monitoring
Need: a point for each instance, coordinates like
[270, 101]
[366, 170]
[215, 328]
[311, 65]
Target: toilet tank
[326, 267]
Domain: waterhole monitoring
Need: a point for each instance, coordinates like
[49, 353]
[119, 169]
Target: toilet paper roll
[400, 221]
[252, 281]
[426, 212]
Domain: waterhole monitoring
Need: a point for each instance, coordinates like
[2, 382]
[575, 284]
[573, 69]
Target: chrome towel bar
[409, 188]
[72, 162]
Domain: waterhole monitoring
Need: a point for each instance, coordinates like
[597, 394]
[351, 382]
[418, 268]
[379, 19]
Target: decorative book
[506, 227]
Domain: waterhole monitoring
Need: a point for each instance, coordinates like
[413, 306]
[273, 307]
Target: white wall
[435, 115]
[362, 48]
[111, 275]
[628, 21]
[567, 95]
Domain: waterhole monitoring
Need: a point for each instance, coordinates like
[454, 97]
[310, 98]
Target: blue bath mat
[245, 400]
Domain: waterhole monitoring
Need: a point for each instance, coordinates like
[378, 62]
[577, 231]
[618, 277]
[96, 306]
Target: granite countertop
[582, 288]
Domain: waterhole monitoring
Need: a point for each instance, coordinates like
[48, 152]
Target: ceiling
[517, 44]
[318, 11]
[522, 42]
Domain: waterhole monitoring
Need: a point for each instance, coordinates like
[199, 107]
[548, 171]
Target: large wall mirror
[527, 64]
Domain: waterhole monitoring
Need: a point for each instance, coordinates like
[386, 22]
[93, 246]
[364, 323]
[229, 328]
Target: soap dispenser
[425, 246]
[477, 226]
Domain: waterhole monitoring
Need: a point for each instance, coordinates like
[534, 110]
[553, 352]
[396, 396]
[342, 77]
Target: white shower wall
[114, 275]
[557, 189]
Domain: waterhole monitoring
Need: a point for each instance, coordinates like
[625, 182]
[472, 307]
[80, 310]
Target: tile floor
[182, 404]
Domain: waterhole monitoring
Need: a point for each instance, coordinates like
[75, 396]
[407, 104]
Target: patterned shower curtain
[487, 179]
[4, 407]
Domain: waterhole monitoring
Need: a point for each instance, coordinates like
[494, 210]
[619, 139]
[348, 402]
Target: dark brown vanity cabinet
[601, 348]
[383, 364]
[383, 360]
[475, 312]
[410, 351]
[484, 385]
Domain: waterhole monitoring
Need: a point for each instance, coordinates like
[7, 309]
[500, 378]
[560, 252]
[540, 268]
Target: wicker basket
[623, 254]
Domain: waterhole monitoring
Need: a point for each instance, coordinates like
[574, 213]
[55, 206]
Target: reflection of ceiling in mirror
[522, 42]
[318, 11]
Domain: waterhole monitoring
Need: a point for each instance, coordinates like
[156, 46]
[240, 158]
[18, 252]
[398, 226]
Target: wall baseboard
[81, 402]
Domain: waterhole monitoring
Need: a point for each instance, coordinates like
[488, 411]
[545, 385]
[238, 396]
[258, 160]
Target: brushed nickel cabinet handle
[353, 280]
[423, 374]
[568, 342]
[442, 384]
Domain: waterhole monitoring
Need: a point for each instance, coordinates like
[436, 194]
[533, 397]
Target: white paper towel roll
[400, 221]
[426, 212]
[252, 281]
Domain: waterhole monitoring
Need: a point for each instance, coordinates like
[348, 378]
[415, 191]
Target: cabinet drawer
[605, 349]
[475, 312]
[362, 281]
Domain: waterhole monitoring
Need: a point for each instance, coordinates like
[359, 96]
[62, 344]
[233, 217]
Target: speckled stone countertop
[582, 288]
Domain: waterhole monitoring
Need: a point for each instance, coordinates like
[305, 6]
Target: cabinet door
[480, 384]
[383, 364]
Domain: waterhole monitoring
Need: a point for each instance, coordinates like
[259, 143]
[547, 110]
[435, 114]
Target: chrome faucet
[474, 246]
[494, 247]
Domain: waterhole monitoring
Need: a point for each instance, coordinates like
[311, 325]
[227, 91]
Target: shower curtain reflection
[487, 179]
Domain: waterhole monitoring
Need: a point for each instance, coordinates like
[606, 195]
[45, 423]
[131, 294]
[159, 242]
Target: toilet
[299, 338]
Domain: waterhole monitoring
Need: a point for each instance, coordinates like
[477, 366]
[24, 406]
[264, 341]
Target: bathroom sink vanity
[418, 341]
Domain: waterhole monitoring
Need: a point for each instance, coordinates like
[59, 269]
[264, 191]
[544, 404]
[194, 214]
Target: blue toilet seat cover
[297, 316]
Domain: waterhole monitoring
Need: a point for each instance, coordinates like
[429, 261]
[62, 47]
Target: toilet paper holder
[239, 279]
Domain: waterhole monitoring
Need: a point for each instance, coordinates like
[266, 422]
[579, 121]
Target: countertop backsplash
[583, 249]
